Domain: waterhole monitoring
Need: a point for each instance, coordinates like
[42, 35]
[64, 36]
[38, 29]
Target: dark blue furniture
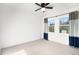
[46, 36]
[74, 41]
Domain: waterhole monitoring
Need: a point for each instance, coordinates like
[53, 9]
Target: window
[64, 23]
[59, 24]
[51, 24]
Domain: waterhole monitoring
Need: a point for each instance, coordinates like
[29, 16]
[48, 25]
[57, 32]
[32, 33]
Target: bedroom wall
[19, 24]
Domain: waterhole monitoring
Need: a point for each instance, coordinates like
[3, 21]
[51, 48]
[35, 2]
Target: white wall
[19, 24]
[59, 37]
[60, 9]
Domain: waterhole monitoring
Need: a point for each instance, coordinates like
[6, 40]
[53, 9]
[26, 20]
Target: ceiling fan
[43, 6]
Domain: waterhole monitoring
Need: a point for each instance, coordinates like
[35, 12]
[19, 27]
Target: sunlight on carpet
[21, 52]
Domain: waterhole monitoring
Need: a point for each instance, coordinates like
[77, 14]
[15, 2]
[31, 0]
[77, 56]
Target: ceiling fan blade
[38, 4]
[49, 7]
[37, 9]
[42, 4]
[47, 4]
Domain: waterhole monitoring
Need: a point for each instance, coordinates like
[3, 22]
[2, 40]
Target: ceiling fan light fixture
[43, 9]
[43, 6]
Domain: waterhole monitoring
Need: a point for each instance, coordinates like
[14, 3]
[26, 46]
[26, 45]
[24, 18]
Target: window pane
[64, 29]
[64, 23]
[51, 24]
[64, 19]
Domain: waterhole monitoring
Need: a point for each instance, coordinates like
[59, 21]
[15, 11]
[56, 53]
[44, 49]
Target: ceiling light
[43, 9]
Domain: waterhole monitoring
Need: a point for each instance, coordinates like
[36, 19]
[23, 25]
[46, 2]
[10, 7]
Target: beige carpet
[41, 47]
